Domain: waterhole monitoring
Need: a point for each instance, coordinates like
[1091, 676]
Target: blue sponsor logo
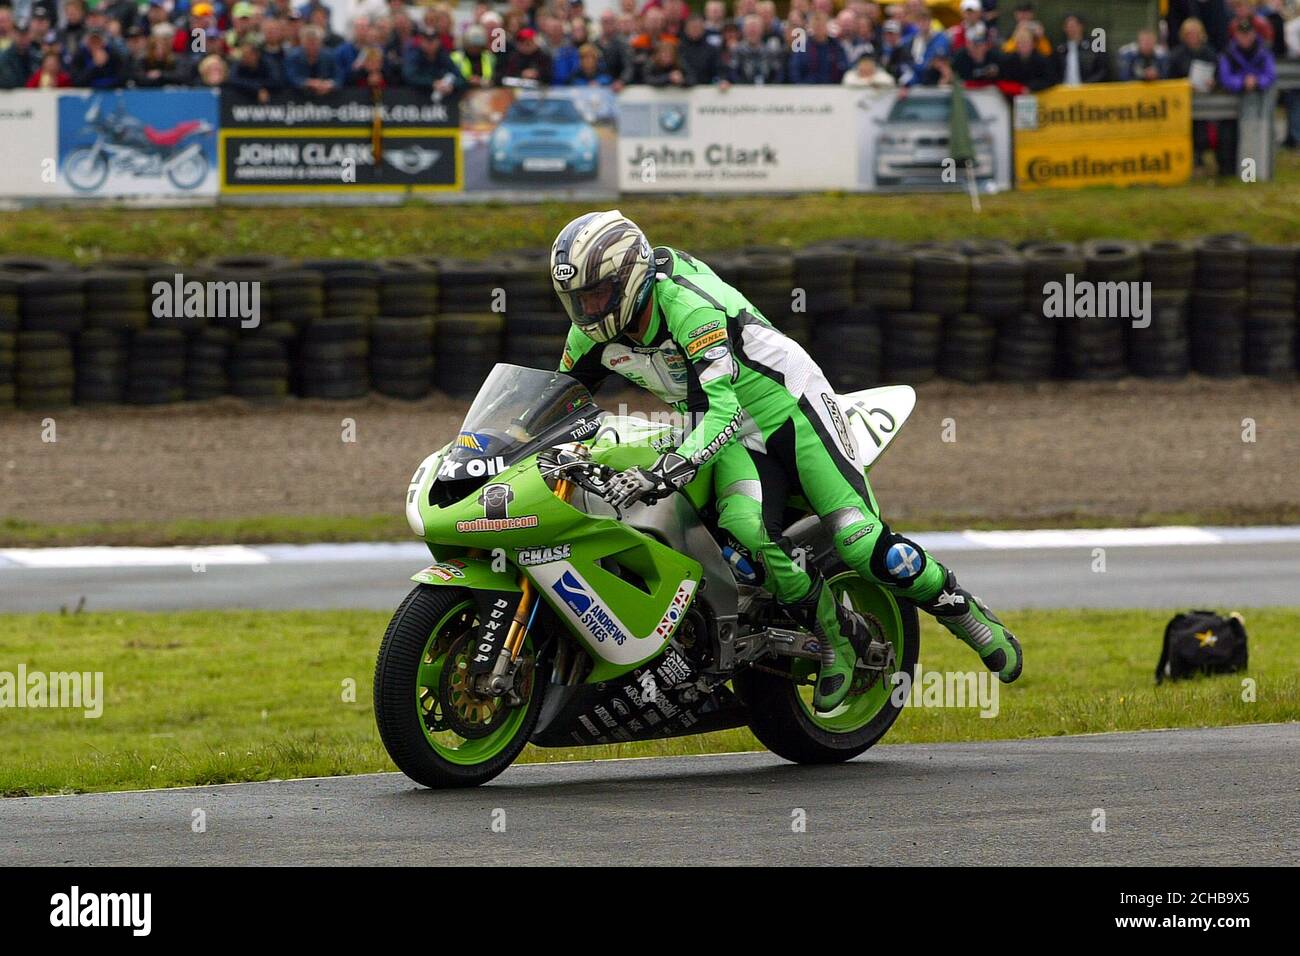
[591, 614]
[903, 562]
[572, 593]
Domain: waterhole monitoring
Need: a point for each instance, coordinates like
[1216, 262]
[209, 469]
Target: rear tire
[780, 717]
[397, 681]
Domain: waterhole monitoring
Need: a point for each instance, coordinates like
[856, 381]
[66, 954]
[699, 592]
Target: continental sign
[1110, 134]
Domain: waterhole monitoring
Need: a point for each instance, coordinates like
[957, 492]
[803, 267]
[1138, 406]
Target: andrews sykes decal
[495, 499]
[589, 612]
[528, 557]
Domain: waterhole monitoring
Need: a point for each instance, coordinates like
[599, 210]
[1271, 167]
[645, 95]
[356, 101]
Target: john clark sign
[757, 139]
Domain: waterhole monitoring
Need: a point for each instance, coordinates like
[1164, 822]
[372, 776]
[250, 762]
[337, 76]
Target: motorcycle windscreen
[516, 411]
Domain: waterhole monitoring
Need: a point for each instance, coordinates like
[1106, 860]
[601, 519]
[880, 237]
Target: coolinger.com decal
[495, 499]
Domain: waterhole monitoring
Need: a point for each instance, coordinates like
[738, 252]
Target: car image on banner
[524, 140]
[904, 140]
[138, 143]
[543, 136]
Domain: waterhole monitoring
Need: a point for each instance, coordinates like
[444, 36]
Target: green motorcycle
[549, 617]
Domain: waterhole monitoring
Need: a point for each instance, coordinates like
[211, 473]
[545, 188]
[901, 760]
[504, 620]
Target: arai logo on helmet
[563, 271]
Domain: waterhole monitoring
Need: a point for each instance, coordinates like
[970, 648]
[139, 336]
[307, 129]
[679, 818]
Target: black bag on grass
[1202, 642]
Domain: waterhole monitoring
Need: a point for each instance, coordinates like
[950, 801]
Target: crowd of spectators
[265, 46]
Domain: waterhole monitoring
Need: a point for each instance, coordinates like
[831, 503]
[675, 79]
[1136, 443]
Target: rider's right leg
[751, 491]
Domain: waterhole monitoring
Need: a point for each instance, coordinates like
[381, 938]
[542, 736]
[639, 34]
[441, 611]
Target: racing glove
[660, 480]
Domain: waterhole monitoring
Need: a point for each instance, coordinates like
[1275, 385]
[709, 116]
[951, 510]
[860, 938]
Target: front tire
[412, 698]
[86, 169]
[781, 714]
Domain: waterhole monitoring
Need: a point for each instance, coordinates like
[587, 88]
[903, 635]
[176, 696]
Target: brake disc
[464, 711]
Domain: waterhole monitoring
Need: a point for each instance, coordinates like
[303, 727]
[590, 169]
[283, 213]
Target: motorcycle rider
[766, 421]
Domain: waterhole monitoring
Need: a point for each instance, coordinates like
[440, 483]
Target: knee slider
[896, 559]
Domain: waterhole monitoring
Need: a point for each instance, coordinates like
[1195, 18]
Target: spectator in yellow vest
[475, 63]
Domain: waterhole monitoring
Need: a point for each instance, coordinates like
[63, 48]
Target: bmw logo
[672, 119]
[903, 561]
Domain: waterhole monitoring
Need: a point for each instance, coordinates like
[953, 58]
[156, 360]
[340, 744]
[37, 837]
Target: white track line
[941, 542]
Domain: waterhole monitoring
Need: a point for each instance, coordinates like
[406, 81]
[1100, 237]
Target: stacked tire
[1093, 346]
[848, 347]
[766, 276]
[969, 347]
[1219, 302]
[997, 283]
[207, 357]
[883, 275]
[466, 347]
[911, 353]
[401, 356]
[1270, 328]
[156, 367]
[1047, 266]
[941, 279]
[1026, 348]
[536, 325]
[825, 273]
[9, 285]
[333, 357]
[1163, 349]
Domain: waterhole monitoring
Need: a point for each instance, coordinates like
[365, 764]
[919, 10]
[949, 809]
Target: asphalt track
[1224, 575]
[1224, 796]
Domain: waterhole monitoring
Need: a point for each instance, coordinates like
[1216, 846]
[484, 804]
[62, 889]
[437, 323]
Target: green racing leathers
[768, 424]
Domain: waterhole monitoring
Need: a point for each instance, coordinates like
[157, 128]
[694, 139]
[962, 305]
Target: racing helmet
[600, 267]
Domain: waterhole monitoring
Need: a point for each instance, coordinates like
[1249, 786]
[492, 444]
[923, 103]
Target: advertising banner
[1108, 134]
[562, 140]
[138, 143]
[789, 139]
[743, 139]
[29, 130]
[343, 141]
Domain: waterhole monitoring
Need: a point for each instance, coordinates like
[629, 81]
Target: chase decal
[527, 557]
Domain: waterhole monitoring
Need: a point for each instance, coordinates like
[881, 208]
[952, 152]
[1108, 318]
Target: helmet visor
[593, 303]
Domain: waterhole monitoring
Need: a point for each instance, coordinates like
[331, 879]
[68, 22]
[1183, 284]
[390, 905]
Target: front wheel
[86, 169]
[781, 712]
[438, 732]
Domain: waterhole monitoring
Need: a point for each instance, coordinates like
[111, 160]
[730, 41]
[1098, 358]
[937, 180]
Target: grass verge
[209, 698]
[1268, 211]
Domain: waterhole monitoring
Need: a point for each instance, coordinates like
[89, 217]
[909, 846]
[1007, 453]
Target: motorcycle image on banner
[114, 140]
[550, 617]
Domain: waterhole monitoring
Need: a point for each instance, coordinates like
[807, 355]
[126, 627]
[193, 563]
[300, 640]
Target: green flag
[960, 147]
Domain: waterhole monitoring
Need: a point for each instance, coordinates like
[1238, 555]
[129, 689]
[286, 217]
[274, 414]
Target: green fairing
[591, 539]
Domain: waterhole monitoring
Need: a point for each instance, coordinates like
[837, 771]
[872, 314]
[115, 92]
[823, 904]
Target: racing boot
[972, 623]
[839, 631]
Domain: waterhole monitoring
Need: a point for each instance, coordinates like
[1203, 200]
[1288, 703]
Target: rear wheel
[438, 732]
[781, 712]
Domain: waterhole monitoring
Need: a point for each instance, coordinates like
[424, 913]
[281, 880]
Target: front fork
[502, 678]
